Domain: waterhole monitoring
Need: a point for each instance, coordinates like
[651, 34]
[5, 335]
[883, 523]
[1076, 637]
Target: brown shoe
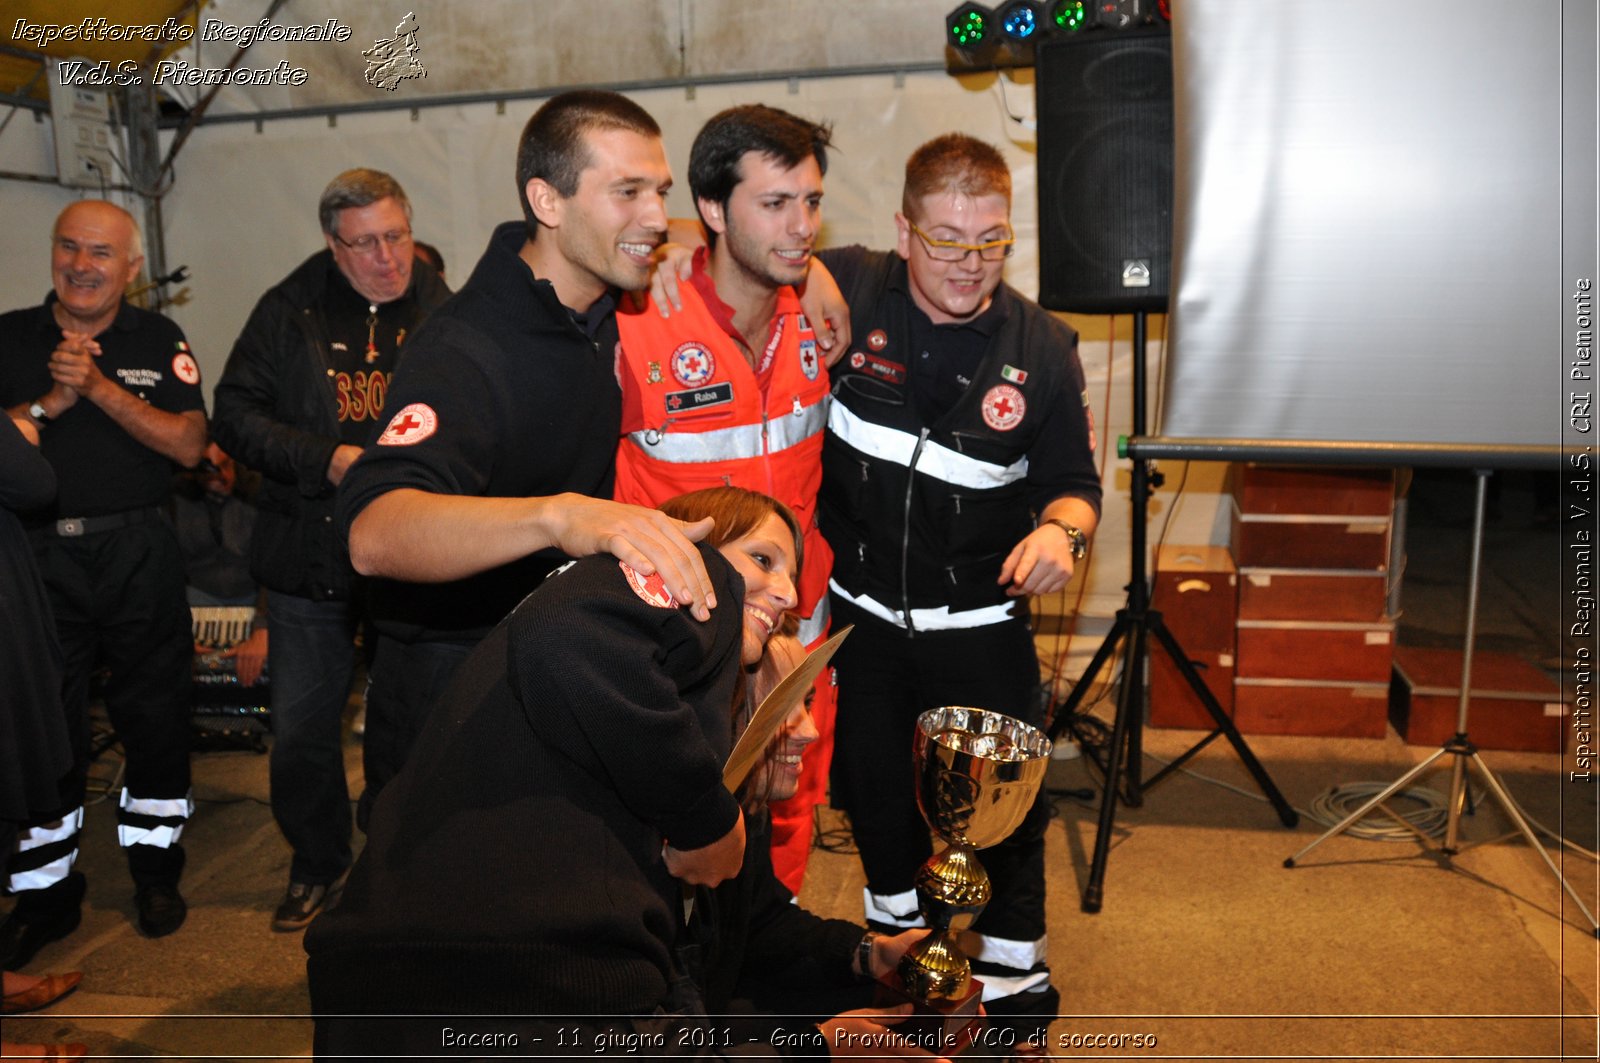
[48, 990]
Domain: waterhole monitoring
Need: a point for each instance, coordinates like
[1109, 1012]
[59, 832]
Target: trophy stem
[952, 889]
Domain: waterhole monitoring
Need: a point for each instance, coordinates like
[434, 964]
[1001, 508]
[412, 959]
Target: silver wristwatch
[1079, 541]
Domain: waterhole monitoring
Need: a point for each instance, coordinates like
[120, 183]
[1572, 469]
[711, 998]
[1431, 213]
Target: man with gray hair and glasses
[302, 393]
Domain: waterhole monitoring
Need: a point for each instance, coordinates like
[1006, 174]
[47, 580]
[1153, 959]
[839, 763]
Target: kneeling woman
[524, 862]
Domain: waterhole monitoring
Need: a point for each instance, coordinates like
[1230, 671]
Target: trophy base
[945, 1028]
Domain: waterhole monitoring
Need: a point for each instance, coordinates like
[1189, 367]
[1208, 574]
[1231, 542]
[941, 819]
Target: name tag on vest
[699, 398]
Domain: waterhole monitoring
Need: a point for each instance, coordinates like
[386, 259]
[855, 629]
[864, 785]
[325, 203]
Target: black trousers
[886, 680]
[119, 607]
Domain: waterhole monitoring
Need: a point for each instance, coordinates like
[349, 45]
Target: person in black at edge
[303, 392]
[496, 463]
[522, 880]
[958, 478]
[35, 751]
[116, 395]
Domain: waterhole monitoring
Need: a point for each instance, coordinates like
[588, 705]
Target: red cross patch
[184, 369]
[693, 365]
[808, 359]
[652, 588]
[1003, 407]
[410, 426]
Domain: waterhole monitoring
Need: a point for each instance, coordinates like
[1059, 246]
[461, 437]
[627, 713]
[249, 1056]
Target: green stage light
[1069, 16]
[969, 27]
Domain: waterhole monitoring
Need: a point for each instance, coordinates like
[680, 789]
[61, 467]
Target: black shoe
[1026, 1014]
[304, 902]
[161, 909]
[24, 934]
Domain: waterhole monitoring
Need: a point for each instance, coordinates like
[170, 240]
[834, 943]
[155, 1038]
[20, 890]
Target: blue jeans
[312, 653]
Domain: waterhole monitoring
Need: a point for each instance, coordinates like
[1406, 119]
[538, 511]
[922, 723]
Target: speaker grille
[1105, 171]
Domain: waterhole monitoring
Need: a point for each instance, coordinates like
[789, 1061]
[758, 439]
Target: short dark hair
[552, 146]
[724, 140]
[958, 163]
[357, 188]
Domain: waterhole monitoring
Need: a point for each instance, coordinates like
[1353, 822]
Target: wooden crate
[1310, 541]
[1513, 704]
[1329, 709]
[1196, 591]
[1313, 489]
[1173, 703]
[1353, 595]
[1315, 650]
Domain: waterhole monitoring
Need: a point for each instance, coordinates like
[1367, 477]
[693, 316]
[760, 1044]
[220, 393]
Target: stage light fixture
[1021, 20]
[972, 38]
[969, 27]
[1068, 16]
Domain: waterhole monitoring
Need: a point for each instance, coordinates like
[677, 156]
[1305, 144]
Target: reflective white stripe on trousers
[163, 836]
[900, 909]
[46, 875]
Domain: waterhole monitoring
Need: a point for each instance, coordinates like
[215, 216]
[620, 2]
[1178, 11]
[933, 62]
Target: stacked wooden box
[1314, 641]
[1513, 704]
[1196, 590]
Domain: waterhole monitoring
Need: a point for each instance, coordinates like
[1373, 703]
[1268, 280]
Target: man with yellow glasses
[958, 478]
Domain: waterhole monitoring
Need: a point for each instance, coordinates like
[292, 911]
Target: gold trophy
[978, 773]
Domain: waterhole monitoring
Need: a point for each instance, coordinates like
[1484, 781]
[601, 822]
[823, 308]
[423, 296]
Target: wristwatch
[1079, 541]
[864, 954]
[37, 412]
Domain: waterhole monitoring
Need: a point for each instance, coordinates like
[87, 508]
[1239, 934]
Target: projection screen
[1367, 224]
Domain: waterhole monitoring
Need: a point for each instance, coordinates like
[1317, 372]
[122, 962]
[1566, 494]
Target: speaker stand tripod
[1460, 746]
[1136, 623]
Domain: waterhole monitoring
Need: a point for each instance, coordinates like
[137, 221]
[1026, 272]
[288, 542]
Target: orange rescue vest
[695, 414]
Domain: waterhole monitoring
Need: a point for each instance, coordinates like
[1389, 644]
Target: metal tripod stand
[1136, 622]
[1460, 746]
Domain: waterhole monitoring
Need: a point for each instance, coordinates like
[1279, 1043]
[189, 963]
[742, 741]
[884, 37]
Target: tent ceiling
[23, 59]
[490, 47]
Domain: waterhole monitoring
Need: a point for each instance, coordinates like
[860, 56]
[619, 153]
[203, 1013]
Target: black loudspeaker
[1105, 171]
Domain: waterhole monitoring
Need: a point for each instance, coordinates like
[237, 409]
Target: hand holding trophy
[977, 774]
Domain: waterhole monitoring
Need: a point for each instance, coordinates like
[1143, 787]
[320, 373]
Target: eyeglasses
[955, 251]
[366, 245]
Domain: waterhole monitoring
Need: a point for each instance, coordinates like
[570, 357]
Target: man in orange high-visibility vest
[732, 389]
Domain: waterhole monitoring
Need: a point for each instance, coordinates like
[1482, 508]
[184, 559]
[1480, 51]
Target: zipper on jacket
[905, 534]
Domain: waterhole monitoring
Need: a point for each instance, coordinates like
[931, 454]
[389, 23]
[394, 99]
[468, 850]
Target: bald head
[96, 252]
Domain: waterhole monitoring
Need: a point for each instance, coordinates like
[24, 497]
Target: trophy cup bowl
[977, 775]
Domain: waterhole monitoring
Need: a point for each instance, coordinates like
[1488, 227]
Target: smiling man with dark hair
[496, 464]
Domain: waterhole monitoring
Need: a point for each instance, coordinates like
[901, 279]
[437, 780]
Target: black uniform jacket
[277, 412]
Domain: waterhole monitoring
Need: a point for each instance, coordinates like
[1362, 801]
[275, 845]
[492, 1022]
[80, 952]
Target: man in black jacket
[115, 393]
[304, 387]
[958, 480]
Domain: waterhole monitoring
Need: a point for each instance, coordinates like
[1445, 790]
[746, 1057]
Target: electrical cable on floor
[838, 839]
[1330, 807]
